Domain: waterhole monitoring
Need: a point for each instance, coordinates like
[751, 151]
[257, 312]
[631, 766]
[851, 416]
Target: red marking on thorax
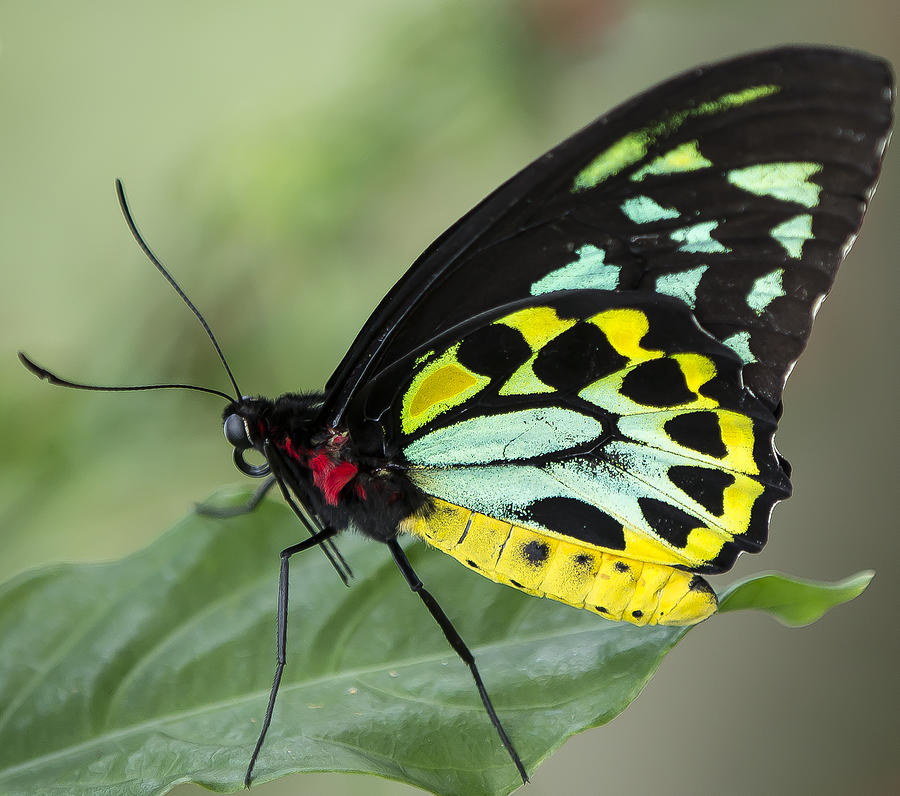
[336, 479]
[294, 453]
[329, 475]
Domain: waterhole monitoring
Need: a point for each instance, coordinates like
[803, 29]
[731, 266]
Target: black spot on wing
[576, 358]
[704, 484]
[494, 350]
[659, 382]
[698, 431]
[578, 520]
[725, 558]
[757, 531]
[668, 521]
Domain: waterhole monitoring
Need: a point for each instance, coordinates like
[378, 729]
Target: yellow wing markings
[441, 384]
[624, 329]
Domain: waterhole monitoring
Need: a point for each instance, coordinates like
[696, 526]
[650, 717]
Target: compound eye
[236, 432]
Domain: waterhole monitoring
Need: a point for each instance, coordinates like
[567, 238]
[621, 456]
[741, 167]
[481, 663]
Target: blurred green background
[288, 160]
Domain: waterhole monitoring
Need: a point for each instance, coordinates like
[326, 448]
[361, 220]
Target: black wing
[737, 187]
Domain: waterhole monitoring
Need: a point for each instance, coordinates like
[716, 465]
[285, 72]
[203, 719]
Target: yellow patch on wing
[625, 328]
[538, 325]
[441, 385]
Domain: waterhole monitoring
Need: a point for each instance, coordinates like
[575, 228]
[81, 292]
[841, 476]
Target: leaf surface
[794, 602]
[133, 676]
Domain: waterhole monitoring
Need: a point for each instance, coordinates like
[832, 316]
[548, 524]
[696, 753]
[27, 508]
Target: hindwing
[608, 422]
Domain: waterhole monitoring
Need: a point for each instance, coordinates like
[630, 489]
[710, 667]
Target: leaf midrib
[155, 722]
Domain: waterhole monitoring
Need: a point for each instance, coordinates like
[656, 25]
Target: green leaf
[792, 601]
[130, 677]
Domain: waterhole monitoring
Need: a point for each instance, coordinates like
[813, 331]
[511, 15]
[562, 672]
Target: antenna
[123, 203]
[43, 373]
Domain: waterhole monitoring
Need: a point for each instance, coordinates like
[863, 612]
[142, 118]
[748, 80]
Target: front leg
[281, 657]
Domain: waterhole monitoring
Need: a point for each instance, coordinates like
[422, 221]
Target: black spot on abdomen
[535, 553]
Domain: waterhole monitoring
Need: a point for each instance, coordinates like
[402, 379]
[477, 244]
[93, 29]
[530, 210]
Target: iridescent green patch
[765, 290]
[634, 146]
[697, 238]
[589, 272]
[625, 152]
[793, 233]
[644, 210]
[682, 284]
[683, 158]
[740, 344]
[786, 181]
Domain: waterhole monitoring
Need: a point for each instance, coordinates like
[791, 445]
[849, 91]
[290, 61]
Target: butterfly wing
[592, 446]
[585, 372]
[736, 187]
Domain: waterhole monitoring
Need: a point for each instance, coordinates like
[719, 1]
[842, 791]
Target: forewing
[736, 188]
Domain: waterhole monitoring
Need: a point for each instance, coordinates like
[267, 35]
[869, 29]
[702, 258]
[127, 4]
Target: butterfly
[574, 390]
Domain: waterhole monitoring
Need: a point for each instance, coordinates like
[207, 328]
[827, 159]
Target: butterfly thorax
[343, 482]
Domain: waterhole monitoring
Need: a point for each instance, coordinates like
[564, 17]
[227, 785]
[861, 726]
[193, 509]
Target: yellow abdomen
[552, 565]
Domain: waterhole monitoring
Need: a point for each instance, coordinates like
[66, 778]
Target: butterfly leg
[329, 548]
[316, 539]
[245, 508]
[331, 552]
[458, 645]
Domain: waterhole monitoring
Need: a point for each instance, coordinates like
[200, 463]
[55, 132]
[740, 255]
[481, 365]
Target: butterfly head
[246, 429]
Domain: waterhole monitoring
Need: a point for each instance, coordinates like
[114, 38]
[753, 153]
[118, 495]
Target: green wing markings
[644, 210]
[664, 472]
[697, 239]
[789, 182]
[765, 290]
[589, 271]
[440, 385]
[510, 436]
[683, 158]
[793, 233]
[739, 342]
[634, 146]
[682, 284]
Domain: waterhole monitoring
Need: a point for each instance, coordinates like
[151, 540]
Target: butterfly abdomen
[580, 575]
